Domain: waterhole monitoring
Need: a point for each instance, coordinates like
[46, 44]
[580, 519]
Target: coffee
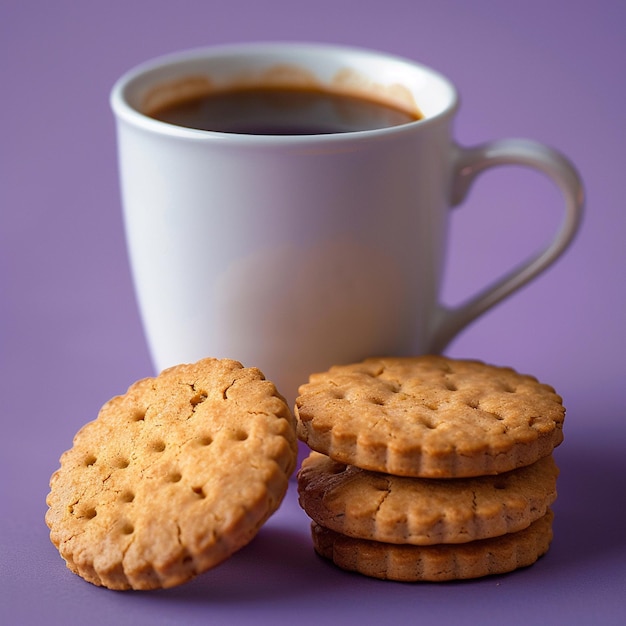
[282, 111]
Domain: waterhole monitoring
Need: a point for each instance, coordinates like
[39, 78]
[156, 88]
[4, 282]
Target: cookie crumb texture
[430, 416]
[172, 477]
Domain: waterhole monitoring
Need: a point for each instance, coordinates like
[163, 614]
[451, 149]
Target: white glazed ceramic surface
[294, 253]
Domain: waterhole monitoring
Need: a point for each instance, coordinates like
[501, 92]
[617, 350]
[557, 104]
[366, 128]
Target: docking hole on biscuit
[240, 435]
[83, 512]
[90, 460]
[199, 491]
[127, 497]
[205, 440]
[90, 513]
[377, 401]
[199, 398]
[174, 477]
[157, 445]
[120, 462]
[430, 425]
[139, 415]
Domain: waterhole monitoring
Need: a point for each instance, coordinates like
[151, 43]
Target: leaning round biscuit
[423, 511]
[172, 477]
[407, 563]
[429, 416]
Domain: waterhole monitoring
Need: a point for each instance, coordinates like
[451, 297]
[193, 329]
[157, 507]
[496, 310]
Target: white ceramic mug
[291, 253]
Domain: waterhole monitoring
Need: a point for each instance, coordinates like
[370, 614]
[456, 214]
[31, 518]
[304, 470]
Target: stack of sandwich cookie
[429, 468]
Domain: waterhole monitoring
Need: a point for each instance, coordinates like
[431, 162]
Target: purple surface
[70, 335]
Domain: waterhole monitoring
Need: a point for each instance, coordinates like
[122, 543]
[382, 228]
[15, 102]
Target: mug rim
[124, 110]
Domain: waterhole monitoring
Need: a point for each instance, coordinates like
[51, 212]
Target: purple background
[70, 335]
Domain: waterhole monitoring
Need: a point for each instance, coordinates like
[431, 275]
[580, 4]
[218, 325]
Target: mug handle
[467, 164]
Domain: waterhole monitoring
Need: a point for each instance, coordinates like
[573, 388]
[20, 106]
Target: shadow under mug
[293, 253]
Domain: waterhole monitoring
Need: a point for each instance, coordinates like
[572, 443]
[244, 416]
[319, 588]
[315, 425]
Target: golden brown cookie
[409, 563]
[172, 477]
[429, 416]
[423, 511]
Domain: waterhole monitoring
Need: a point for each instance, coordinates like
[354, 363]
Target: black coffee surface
[275, 111]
